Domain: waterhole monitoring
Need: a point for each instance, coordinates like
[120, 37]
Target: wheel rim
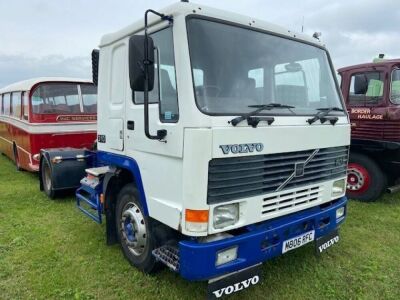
[358, 179]
[47, 177]
[133, 229]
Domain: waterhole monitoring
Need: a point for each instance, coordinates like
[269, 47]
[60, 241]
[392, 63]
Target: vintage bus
[46, 113]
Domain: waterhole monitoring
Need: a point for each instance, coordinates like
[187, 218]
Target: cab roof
[26, 85]
[385, 62]
[185, 8]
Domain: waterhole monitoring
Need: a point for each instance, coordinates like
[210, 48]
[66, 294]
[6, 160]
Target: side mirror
[137, 63]
[360, 84]
[95, 66]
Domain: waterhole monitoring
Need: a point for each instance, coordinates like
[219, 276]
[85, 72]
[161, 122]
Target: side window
[25, 101]
[1, 105]
[366, 88]
[339, 79]
[198, 77]
[395, 87]
[290, 84]
[6, 104]
[16, 104]
[164, 90]
[256, 84]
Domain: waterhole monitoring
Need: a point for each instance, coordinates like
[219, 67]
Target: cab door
[112, 93]
[163, 107]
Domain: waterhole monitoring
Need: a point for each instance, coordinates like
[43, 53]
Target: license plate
[234, 282]
[298, 241]
[327, 241]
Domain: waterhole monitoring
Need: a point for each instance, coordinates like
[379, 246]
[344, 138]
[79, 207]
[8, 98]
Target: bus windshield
[64, 99]
[236, 69]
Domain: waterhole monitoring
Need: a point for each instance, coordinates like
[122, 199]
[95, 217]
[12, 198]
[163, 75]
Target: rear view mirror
[360, 84]
[293, 67]
[137, 63]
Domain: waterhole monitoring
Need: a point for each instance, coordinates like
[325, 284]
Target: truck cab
[372, 95]
[222, 142]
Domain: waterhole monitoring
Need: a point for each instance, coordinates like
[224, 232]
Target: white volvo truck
[222, 142]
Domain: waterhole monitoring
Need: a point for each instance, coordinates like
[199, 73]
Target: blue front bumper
[259, 243]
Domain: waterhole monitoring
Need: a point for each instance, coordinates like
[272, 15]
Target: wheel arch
[371, 150]
[124, 170]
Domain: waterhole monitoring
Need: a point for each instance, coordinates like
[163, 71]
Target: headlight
[339, 188]
[226, 215]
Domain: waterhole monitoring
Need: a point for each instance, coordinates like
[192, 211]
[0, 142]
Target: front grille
[383, 130]
[248, 176]
[285, 201]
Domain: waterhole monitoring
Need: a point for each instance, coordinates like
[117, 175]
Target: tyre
[47, 179]
[16, 159]
[365, 180]
[134, 230]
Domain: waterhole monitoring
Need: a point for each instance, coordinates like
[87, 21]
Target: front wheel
[135, 230]
[365, 180]
[47, 179]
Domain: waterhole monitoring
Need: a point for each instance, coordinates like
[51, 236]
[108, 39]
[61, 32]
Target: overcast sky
[55, 38]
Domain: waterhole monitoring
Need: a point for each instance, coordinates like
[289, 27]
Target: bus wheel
[135, 230]
[365, 179]
[16, 159]
[47, 179]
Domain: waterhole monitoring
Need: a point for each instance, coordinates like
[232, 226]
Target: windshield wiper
[253, 121]
[323, 113]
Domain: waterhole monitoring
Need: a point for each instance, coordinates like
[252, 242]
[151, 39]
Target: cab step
[89, 193]
[169, 256]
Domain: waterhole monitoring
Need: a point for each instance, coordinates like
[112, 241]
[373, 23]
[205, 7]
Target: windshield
[64, 99]
[234, 68]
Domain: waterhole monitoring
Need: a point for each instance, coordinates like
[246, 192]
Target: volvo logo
[241, 148]
[299, 169]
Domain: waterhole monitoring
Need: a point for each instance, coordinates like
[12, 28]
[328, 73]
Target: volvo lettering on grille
[242, 148]
[299, 168]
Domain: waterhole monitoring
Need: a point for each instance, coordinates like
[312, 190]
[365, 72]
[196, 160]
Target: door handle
[130, 125]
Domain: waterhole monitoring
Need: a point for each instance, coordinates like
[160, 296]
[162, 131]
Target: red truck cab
[372, 95]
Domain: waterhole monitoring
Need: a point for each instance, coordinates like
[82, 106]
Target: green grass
[49, 250]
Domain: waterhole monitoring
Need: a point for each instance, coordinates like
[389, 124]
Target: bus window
[16, 104]
[56, 98]
[6, 104]
[89, 98]
[1, 105]
[25, 98]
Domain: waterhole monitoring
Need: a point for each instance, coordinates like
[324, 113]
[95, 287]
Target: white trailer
[222, 142]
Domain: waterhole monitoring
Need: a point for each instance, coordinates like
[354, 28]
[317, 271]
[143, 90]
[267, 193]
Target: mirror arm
[161, 134]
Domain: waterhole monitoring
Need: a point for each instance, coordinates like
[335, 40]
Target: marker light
[57, 159]
[340, 212]
[339, 188]
[196, 220]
